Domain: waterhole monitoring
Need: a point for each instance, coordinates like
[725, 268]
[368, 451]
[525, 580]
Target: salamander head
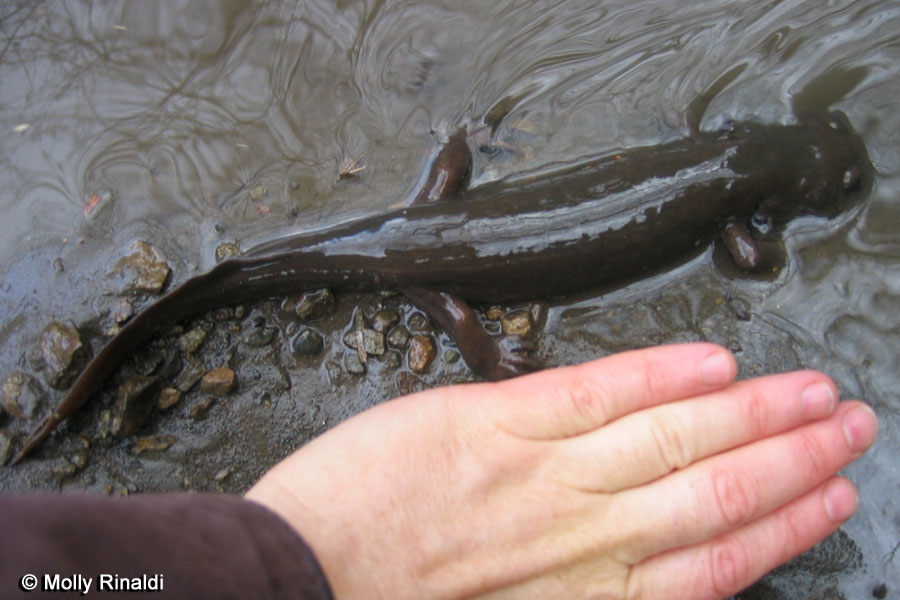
[833, 169]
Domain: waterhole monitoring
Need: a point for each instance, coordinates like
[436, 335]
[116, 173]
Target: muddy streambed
[206, 126]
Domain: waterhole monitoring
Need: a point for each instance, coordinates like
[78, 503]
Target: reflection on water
[209, 121]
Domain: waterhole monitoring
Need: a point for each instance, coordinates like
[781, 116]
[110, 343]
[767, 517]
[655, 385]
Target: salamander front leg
[492, 357]
[756, 251]
[449, 173]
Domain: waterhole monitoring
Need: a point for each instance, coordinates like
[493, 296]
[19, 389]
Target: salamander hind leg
[492, 357]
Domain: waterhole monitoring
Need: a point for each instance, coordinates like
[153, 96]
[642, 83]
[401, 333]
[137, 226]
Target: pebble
[223, 314]
[538, 312]
[257, 193]
[517, 322]
[135, 398]
[312, 305]
[494, 313]
[63, 468]
[227, 250]
[451, 356]
[259, 337]
[122, 311]
[5, 446]
[191, 341]
[384, 319]
[392, 359]
[399, 337]
[144, 267]
[407, 383]
[191, 374]
[153, 442]
[419, 323]
[353, 365]
[373, 342]
[146, 360]
[80, 459]
[199, 410]
[421, 353]
[223, 474]
[308, 343]
[22, 395]
[739, 308]
[62, 352]
[219, 381]
[172, 365]
[168, 398]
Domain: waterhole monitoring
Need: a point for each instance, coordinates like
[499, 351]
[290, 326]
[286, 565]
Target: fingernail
[840, 502]
[817, 401]
[717, 369]
[860, 427]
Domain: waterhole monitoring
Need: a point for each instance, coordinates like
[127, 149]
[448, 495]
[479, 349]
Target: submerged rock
[121, 312]
[227, 250]
[168, 398]
[494, 313]
[399, 337]
[144, 269]
[219, 381]
[62, 353]
[190, 341]
[421, 353]
[5, 446]
[259, 337]
[199, 410]
[372, 341]
[308, 343]
[22, 395]
[353, 365]
[134, 401]
[311, 305]
[384, 319]
[517, 322]
[192, 373]
[419, 323]
[153, 442]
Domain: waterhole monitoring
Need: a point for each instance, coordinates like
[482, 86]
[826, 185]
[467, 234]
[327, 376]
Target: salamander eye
[851, 179]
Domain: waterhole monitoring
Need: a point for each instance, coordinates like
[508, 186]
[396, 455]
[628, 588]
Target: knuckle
[790, 526]
[813, 454]
[657, 379]
[729, 564]
[735, 496]
[588, 398]
[757, 414]
[672, 443]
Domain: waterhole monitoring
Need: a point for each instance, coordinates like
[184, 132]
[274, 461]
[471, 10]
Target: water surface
[205, 122]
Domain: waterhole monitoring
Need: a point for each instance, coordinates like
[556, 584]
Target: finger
[721, 567]
[727, 491]
[568, 401]
[653, 442]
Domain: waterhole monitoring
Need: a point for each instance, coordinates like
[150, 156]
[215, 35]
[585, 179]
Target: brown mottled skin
[591, 226]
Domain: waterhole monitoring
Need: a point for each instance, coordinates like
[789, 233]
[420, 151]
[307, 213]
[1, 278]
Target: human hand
[648, 474]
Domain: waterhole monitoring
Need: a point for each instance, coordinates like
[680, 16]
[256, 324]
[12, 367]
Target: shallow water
[213, 121]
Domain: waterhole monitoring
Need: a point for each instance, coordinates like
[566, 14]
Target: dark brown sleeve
[200, 546]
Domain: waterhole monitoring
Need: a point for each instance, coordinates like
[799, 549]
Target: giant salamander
[595, 225]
